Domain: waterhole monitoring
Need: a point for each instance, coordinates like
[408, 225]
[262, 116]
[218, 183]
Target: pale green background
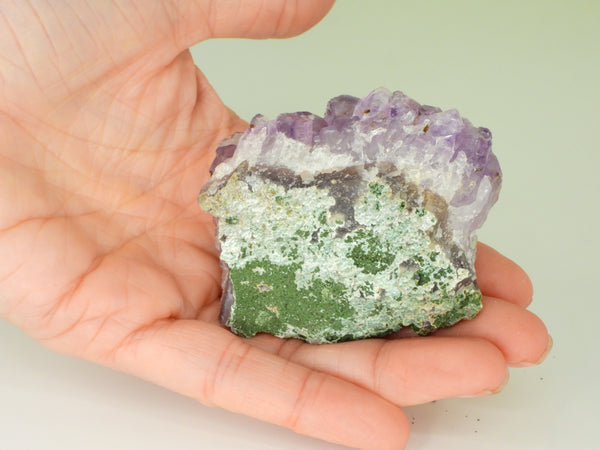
[528, 70]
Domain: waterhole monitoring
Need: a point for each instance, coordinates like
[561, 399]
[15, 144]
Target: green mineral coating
[468, 304]
[272, 302]
[422, 277]
[368, 252]
[295, 274]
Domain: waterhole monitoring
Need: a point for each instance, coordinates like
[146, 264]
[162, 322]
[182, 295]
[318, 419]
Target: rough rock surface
[353, 225]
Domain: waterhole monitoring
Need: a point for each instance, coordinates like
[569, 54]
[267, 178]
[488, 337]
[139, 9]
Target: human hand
[107, 130]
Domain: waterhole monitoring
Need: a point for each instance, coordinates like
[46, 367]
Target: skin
[107, 130]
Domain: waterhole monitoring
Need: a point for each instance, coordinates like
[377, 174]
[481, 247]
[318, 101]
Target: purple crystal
[438, 150]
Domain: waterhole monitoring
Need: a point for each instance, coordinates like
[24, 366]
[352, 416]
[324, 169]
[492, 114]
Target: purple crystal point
[370, 211]
[301, 126]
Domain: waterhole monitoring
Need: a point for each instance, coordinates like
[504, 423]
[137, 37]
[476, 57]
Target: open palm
[107, 130]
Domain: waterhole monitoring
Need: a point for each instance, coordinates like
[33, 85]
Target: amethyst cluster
[354, 224]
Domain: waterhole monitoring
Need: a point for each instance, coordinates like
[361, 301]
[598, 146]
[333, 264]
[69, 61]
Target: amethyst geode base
[353, 225]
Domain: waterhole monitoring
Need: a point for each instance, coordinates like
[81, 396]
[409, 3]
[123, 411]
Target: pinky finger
[519, 334]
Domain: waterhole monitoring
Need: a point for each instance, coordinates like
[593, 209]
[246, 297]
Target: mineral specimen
[353, 225]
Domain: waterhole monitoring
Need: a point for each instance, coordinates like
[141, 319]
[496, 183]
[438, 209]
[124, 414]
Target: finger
[257, 19]
[210, 364]
[519, 334]
[500, 277]
[404, 371]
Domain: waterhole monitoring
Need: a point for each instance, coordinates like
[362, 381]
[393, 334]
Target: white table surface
[528, 70]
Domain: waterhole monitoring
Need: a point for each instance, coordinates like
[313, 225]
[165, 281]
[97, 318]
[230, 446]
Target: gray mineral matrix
[353, 225]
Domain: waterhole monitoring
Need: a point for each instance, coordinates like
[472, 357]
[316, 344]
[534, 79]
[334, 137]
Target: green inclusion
[302, 233]
[267, 300]
[428, 272]
[376, 188]
[323, 218]
[368, 252]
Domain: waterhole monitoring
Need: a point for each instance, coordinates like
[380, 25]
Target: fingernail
[503, 385]
[548, 350]
[540, 359]
[488, 392]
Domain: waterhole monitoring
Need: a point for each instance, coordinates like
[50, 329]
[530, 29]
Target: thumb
[197, 20]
